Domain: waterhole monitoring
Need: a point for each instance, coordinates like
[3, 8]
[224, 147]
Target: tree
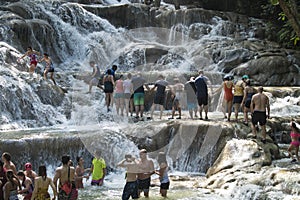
[289, 7]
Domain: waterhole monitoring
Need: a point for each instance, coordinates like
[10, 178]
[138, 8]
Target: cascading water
[73, 36]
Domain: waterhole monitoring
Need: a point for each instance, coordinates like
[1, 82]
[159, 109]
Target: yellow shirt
[99, 165]
[239, 89]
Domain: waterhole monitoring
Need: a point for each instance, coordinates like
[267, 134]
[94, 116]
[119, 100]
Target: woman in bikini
[42, 183]
[10, 189]
[27, 184]
[33, 56]
[295, 136]
[248, 93]
[79, 173]
[48, 68]
[108, 82]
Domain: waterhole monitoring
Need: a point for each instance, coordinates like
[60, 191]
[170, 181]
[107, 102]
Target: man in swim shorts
[138, 83]
[259, 105]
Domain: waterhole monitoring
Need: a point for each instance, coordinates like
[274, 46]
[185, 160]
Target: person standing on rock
[159, 98]
[238, 95]
[139, 95]
[177, 94]
[295, 136]
[33, 56]
[48, 68]
[146, 169]
[260, 109]
[109, 83]
[95, 77]
[191, 98]
[248, 93]
[202, 94]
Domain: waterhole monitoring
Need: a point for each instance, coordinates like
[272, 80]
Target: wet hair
[21, 173]
[109, 72]
[45, 54]
[121, 76]
[11, 176]
[294, 125]
[92, 62]
[161, 158]
[7, 156]
[129, 75]
[65, 159]
[78, 158]
[260, 89]
[114, 67]
[43, 171]
[1, 163]
[29, 48]
[248, 82]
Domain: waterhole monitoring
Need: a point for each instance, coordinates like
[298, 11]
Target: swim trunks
[259, 116]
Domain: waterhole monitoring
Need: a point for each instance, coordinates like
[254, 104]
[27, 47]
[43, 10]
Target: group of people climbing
[34, 60]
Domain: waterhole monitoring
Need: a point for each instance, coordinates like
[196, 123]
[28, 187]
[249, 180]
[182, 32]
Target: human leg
[229, 108]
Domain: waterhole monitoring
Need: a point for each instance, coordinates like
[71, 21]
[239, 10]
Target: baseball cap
[28, 166]
[245, 77]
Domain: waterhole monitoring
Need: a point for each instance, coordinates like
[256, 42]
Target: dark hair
[65, 159]
[109, 72]
[29, 47]
[7, 156]
[92, 62]
[45, 54]
[78, 158]
[43, 171]
[129, 75]
[248, 82]
[161, 158]
[1, 163]
[114, 67]
[20, 173]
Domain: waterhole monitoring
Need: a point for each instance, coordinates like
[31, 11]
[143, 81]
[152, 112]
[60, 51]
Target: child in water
[295, 135]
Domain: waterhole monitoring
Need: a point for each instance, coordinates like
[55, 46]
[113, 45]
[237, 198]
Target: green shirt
[99, 165]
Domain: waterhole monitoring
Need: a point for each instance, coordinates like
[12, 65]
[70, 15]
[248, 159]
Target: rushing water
[78, 36]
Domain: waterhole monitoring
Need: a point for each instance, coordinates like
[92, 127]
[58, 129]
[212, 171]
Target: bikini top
[295, 135]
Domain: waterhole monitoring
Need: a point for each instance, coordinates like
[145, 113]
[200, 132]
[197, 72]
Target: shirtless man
[258, 106]
[177, 94]
[131, 187]
[65, 174]
[146, 169]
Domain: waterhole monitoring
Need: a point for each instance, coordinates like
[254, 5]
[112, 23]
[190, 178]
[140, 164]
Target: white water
[106, 46]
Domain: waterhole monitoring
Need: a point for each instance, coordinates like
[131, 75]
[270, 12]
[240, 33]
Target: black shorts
[202, 101]
[144, 184]
[248, 103]
[130, 189]
[165, 186]
[159, 100]
[237, 99]
[259, 116]
[51, 69]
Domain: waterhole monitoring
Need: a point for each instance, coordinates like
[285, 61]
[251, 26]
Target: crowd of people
[68, 179]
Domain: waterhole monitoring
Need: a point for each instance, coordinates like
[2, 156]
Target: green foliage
[274, 2]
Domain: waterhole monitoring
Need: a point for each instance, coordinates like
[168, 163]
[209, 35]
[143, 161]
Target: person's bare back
[260, 102]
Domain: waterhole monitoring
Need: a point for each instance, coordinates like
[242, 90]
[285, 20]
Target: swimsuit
[248, 100]
[33, 59]
[296, 136]
[108, 87]
[42, 194]
[228, 96]
[119, 89]
[130, 189]
[259, 116]
[13, 195]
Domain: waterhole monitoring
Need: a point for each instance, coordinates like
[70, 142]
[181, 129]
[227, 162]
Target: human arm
[36, 186]
[56, 177]
[244, 97]
[27, 183]
[53, 188]
[268, 107]
[6, 191]
[25, 54]
[94, 71]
